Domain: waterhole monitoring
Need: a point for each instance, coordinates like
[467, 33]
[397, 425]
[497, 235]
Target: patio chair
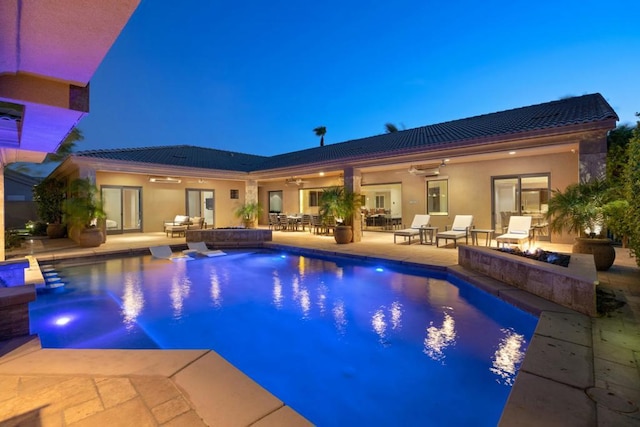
[330, 224]
[460, 228]
[306, 221]
[273, 221]
[197, 223]
[178, 220]
[283, 222]
[164, 252]
[419, 221]
[316, 224]
[201, 249]
[518, 232]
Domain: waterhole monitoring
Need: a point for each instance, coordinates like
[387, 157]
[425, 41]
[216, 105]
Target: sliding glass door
[202, 203]
[522, 195]
[123, 208]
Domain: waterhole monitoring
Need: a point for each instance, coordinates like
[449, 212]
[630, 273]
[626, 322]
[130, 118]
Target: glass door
[122, 207]
[522, 195]
[202, 203]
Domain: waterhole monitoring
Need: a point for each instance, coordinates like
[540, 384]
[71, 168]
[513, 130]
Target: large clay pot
[55, 231]
[343, 234]
[90, 238]
[602, 249]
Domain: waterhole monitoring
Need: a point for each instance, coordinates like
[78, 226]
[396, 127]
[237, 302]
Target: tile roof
[586, 109]
[556, 114]
[181, 155]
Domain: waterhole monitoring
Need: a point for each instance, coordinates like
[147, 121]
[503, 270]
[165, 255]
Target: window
[380, 202]
[314, 198]
[275, 201]
[437, 192]
[235, 194]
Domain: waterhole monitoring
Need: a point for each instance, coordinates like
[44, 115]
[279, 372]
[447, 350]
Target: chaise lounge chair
[460, 228]
[518, 232]
[164, 252]
[418, 222]
[201, 249]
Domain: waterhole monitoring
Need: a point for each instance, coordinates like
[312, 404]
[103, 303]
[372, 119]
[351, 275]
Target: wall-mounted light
[165, 180]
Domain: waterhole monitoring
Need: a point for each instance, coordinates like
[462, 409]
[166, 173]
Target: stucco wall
[469, 190]
[162, 202]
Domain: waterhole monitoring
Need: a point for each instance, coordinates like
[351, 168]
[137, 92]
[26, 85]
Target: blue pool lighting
[62, 320]
[333, 338]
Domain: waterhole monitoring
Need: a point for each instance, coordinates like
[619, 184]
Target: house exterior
[490, 166]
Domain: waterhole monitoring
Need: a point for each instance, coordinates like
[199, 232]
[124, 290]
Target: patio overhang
[48, 53]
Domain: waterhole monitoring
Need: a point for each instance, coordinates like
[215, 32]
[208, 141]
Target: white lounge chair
[460, 228]
[164, 252]
[201, 249]
[418, 222]
[518, 232]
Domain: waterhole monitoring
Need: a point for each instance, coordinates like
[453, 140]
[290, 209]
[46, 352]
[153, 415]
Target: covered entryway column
[352, 182]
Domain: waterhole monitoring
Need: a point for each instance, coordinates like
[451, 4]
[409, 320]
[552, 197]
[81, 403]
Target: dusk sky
[258, 77]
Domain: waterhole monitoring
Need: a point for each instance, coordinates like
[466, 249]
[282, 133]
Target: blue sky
[257, 76]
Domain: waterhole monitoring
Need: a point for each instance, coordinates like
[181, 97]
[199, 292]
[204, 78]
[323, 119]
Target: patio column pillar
[352, 182]
[251, 193]
[593, 156]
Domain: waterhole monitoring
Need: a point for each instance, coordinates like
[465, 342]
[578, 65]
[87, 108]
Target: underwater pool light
[379, 269]
[62, 320]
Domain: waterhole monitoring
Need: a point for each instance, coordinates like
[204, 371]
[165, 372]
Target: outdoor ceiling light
[165, 179]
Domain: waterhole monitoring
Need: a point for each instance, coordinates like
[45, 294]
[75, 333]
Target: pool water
[341, 342]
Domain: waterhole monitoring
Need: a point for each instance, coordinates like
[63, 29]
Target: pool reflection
[508, 357]
[438, 339]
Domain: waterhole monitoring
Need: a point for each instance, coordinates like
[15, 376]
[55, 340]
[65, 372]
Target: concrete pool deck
[572, 362]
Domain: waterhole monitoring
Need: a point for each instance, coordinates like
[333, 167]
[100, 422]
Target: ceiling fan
[296, 181]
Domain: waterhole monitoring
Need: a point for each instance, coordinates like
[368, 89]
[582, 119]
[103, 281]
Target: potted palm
[83, 209]
[249, 213]
[583, 209]
[49, 196]
[342, 204]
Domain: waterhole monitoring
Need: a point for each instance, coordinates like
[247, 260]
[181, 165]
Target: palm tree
[390, 127]
[321, 131]
[66, 146]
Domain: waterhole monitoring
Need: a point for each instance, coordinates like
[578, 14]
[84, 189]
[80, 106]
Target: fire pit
[540, 255]
[572, 286]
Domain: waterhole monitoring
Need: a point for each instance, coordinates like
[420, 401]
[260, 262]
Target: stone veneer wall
[14, 311]
[230, 237]
[573, 287]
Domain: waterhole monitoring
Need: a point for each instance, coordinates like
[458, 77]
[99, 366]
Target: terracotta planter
[55, 231]
[90, 238]
[602, 249]
[343, 234]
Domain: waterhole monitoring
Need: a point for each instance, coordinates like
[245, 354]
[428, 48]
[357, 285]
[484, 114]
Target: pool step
[52, 281]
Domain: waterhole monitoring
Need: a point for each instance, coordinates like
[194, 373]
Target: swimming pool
[341, 342]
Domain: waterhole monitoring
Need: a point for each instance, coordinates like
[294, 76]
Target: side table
[427, 231]
[474, 235]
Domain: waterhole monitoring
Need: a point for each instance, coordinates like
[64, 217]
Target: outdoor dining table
[293, 221]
